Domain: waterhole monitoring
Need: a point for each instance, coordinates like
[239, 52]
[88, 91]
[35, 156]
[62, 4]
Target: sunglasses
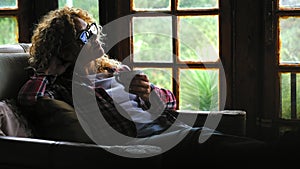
[86, 34]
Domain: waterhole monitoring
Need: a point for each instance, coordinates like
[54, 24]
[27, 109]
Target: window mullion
[293, 96]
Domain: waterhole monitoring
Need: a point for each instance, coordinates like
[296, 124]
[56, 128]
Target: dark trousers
[214, 149]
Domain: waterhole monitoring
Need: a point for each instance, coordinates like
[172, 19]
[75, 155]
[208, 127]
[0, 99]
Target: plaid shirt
[41, 85]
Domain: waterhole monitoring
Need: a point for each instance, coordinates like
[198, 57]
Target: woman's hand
[140, 86]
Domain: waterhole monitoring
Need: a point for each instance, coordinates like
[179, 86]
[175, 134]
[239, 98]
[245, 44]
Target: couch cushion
[12, 73]
[13, 60]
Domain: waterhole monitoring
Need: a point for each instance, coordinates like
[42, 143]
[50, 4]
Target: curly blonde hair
[105, 64]
[56, 31]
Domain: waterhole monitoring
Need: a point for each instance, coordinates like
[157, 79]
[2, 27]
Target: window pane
[161, 77]
[199, 38]
[289, 3]
[196, 4]
[151, 5]
[8, 30]
[298, 96]
[286, 95]
[8, 4]
[289, 49]
[152, 39]
[199, 89]
[90, 5]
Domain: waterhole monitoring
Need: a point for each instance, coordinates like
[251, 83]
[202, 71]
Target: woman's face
[93, 42]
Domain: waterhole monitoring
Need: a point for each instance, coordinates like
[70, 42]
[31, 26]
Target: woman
[56, 43]
[57, 71]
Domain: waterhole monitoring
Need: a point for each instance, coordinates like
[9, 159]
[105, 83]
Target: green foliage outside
[199, 38]
[151, 4]
[285, 92]
[8, 3]
[152, 39]
[8, 30]
[289, 37]
[165, 4]
[199, 89]
[8, 25]
[286, 95]
[197, 3]
[90, 5]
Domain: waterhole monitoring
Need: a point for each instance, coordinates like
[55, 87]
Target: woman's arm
[165, 95]
[33, 89]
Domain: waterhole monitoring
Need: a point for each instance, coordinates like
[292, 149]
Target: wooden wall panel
[248, 60]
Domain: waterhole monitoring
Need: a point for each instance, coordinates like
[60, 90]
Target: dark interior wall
[30, 13]
[248, 57]
[41, 7]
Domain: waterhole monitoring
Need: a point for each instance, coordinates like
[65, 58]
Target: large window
[177, 43]
[288, 18]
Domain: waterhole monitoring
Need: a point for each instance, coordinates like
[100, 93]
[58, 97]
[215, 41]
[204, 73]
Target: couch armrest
[232, 121]
[15, 48]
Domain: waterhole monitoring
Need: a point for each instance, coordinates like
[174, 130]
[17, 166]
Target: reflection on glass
[152, 39]
[289, 3]
[151, 5]
[90, 5]
[8, 4]
[9, 30]
[289, 49]
[199, 89]
[199, 38]
[161, 77]
[198, 4]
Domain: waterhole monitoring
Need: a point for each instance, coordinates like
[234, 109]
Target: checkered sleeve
[165, 95]
[34, 88]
